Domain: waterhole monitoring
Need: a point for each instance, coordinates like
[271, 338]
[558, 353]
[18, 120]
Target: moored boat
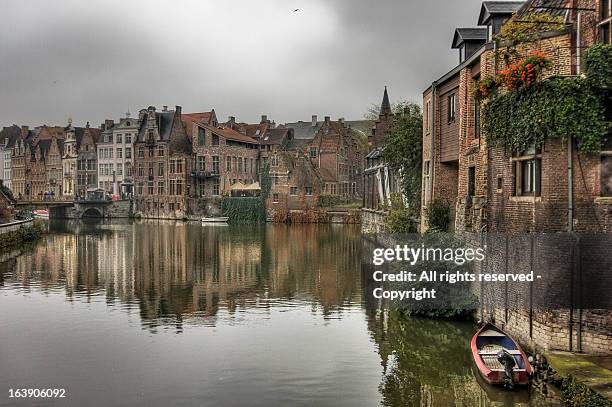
[221, 219]
[41, 214]
[499, 358]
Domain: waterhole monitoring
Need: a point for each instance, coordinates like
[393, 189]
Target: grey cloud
[242, 58]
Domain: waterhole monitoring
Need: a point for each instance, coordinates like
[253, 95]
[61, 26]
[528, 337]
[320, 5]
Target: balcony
[204, 174]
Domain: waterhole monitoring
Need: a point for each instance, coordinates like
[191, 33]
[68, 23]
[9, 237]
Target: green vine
[528, 27]
[249, 210]
[557, 108]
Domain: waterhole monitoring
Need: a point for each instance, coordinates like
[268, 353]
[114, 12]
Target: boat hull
[484, 345]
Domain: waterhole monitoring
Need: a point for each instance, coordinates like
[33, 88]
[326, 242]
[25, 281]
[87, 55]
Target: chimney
[326, 119]
[264, 118]
[165, 108]
[231, 121]
[314, 120]
[24, 131]
[177, 110]
[108, 124]
[341, 121]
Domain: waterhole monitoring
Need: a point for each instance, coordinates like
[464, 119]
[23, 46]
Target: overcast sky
[95, 59]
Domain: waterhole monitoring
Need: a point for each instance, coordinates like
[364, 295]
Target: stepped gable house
[162, 164]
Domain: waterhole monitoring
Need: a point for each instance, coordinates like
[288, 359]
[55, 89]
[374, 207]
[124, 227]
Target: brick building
[549, 189]
[87, 162]
[335, 151]
[222, 157]
[162, 165]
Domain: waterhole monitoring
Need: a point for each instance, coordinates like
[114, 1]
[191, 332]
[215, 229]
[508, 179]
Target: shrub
[328, 200]
[399, 218]
[438, 216]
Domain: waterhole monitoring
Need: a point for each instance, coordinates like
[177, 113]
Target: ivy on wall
[559, 108]
[249, 210]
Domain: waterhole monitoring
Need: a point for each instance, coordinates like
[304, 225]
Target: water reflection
[281, 306]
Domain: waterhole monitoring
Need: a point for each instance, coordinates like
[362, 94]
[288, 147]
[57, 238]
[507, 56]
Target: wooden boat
[215, 220]
[487, 344]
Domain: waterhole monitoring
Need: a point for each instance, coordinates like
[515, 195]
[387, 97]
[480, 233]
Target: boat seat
[488, 352]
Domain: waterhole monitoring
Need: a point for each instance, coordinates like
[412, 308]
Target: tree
[402, 150]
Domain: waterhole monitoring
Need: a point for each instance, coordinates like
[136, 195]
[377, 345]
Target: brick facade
[162, 165]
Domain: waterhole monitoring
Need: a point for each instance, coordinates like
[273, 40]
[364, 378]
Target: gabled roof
[497, 8]
[476, 34]
[164, 121]
[202, 117]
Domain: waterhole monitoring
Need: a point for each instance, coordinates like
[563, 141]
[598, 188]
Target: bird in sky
[296, 10]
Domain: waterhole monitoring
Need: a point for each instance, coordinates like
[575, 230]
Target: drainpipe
[432, 155]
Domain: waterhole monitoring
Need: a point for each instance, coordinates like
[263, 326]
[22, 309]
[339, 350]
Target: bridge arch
[92, 212]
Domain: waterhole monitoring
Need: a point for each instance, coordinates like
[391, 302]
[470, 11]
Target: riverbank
[584, 380]
[20, 232]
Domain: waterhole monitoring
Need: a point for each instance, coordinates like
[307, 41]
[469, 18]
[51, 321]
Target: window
[215, 140]
[274, 161]
[527, 169]
[160, 188]
[160, 170]
[139, 188]
[228, 164]
[606, 168]
[140, 169]
[201, 137]
[215, 164]
[605, 16]
[239, 169]
[275, 198]
[119, 139]
[128, 152]
[179, 187]
[179, 167]
[150, 187]
[427, 116]
[119, 153]
[160, 151]
[476, 119]
[140, 152]
[308, 191]
[426, 183]
[451, 107]
[128, 170]
[151, 170]
[293, 191]
[119, 169]
[128, 139]
[215, 190]
[201, 163]
[471, 181]
[313, 152]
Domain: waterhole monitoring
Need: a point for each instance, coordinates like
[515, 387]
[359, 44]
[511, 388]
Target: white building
[8, 136]
[115, 155]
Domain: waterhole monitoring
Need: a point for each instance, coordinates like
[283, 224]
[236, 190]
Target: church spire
[385, 107]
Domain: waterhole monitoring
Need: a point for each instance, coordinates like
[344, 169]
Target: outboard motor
[508, 363]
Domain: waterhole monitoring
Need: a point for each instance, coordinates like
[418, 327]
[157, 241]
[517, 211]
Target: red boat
[499, 359]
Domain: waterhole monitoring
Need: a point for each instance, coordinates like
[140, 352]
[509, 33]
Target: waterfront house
[87, 162]
[115, 155]
[162, 165]
[8, 137]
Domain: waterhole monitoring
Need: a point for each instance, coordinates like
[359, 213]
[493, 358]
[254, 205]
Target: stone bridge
[81, 209]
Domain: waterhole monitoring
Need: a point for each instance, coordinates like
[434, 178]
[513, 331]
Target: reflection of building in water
[305, 259]
[185, 270]
[115, 263]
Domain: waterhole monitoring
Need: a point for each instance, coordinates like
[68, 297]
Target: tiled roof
[230, 134]
[490, 8]
[11, 134]
[552, 7]
[306, 131]
[276, 136]
[476, 34]
[190, 118]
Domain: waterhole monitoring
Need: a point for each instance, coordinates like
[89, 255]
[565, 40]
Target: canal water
[155, 313]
